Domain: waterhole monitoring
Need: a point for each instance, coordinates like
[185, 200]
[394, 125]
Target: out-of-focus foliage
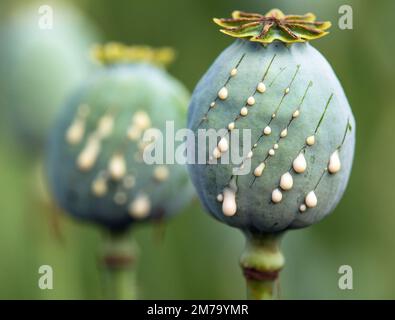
[197, 256]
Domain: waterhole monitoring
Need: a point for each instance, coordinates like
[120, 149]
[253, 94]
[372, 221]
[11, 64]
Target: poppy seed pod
[40, 67]
[274, 84]
[97, 151]
[95, 155]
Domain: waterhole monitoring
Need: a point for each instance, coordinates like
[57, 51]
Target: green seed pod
[95, 156]
[275, 84]
[40, 66]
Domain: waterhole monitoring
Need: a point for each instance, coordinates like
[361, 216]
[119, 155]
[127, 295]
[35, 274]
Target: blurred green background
[198, 257]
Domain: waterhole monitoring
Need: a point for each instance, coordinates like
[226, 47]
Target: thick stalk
[261, 262]
[119, 255]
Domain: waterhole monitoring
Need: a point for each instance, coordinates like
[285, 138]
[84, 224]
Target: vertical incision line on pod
[283, 134]
[267, 129]
[76, 130]
[305, 145]
[260, 88]
[276, 76]
[333, 166]
[286, 91]
[90, 152]
[223, 143]
[299, 164]
[223, 92]
[117, 166]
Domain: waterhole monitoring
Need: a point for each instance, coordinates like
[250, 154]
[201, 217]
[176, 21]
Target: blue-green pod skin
[256, 212]
[40, 68]
[126, 89]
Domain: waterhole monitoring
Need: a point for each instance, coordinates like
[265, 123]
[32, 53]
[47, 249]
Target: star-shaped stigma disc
[273, 26]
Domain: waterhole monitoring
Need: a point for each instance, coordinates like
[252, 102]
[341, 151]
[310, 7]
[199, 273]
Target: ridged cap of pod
[114, 52]
[274, 25]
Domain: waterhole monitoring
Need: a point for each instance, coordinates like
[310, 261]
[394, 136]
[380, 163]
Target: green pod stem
[262, 261]
[118, 263]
